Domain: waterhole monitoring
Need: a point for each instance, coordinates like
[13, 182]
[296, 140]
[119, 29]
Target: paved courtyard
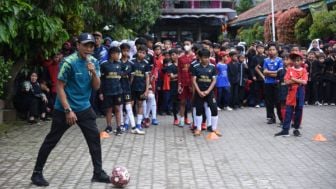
[247, 156]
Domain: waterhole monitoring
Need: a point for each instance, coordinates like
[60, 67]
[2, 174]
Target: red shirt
[184, 76]
[52, 68]
[297, 73]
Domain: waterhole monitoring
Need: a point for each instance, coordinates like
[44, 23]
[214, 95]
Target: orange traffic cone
[212, 136]
[320, 138]
[104, 134]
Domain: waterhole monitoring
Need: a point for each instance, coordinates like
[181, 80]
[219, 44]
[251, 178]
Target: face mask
[187, 47]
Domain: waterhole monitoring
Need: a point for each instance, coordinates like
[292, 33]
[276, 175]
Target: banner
[318, 7]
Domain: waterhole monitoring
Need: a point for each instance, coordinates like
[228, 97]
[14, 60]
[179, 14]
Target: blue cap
[86, 38]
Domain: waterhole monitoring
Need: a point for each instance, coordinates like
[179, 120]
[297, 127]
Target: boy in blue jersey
[79, 74]
[222, 82]
[140, 84]
[271, 66]
[111, 90]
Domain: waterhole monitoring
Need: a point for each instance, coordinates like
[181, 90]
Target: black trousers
[36, 106]
[272, 100]
[87, 124]
[199, 104]
[234, 95]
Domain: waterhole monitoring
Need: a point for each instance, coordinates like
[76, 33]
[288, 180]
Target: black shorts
[137, 95]
[126, 97]
[111, 100]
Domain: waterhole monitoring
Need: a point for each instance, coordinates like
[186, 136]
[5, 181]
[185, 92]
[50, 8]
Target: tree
[244, 5]
[301, 30]
[323, 25]
[38, 28]
[251, 34]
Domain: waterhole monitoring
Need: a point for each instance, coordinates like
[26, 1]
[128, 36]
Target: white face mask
[187, 47]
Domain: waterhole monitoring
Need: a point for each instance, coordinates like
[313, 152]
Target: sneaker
[229, 109]
[137, 131]
[118, 131]
[181, 124]
[192, 127]
[124, 128]
[209, 129]
[45, 119]
[31, 122]
[217, 133]
[318, 103]
[108, 129]
[325, 104]
[219, 109]
[38, 179]
[332, 104]
[204, 126]
[296, 133]
[176, 122]
[187, 121]
[197, 132]
[271, 121]
[257, 106]
[101, 177]
[282, 133]
[155, 122]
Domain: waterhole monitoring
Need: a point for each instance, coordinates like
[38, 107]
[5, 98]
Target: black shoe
[271, 121]
[118, 131]
[296, 133]
[169, 113]
[45, 119]
[31, 122]
[282, 133]
[38, 179]
[101, 177]
[108, 129]
[209, 129]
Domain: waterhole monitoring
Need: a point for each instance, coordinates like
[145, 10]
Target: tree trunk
[17, 66]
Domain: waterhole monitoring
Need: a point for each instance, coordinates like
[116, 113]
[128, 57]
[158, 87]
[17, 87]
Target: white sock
[207, 114]
[153, 105]
[199, 122]
[121, 114]
[148, 107]
[130, 114]
[181, 118]
[214, 121]
[144, 107]
[139, 119]
[194, 115]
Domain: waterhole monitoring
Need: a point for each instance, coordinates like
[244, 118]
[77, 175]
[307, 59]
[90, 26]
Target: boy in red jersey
[184, 79]
[296, 78]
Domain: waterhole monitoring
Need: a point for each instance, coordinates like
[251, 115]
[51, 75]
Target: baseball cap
[97, 33]
[294, 55]
[86, 38]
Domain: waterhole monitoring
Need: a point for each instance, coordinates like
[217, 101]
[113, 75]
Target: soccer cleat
[137, 131]
[217, 133]
[146, 122]
[296, 133]
[101, 177]
[332, 104]
[204, 126]
[176, 122]
[155, 122]
[197, 132]
[108, 129]
[282, 133]
[38, 179]
[257, 106]
[187, 121]
[229, 108]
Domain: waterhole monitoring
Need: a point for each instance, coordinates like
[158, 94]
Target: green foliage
[5, 67]
[301, 30]
[244, 5]
[251, 34]
[323, 25]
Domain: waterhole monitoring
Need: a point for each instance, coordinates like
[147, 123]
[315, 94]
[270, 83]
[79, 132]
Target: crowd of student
[145, 77]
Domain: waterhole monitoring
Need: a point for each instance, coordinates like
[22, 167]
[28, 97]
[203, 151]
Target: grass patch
[9, 126]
